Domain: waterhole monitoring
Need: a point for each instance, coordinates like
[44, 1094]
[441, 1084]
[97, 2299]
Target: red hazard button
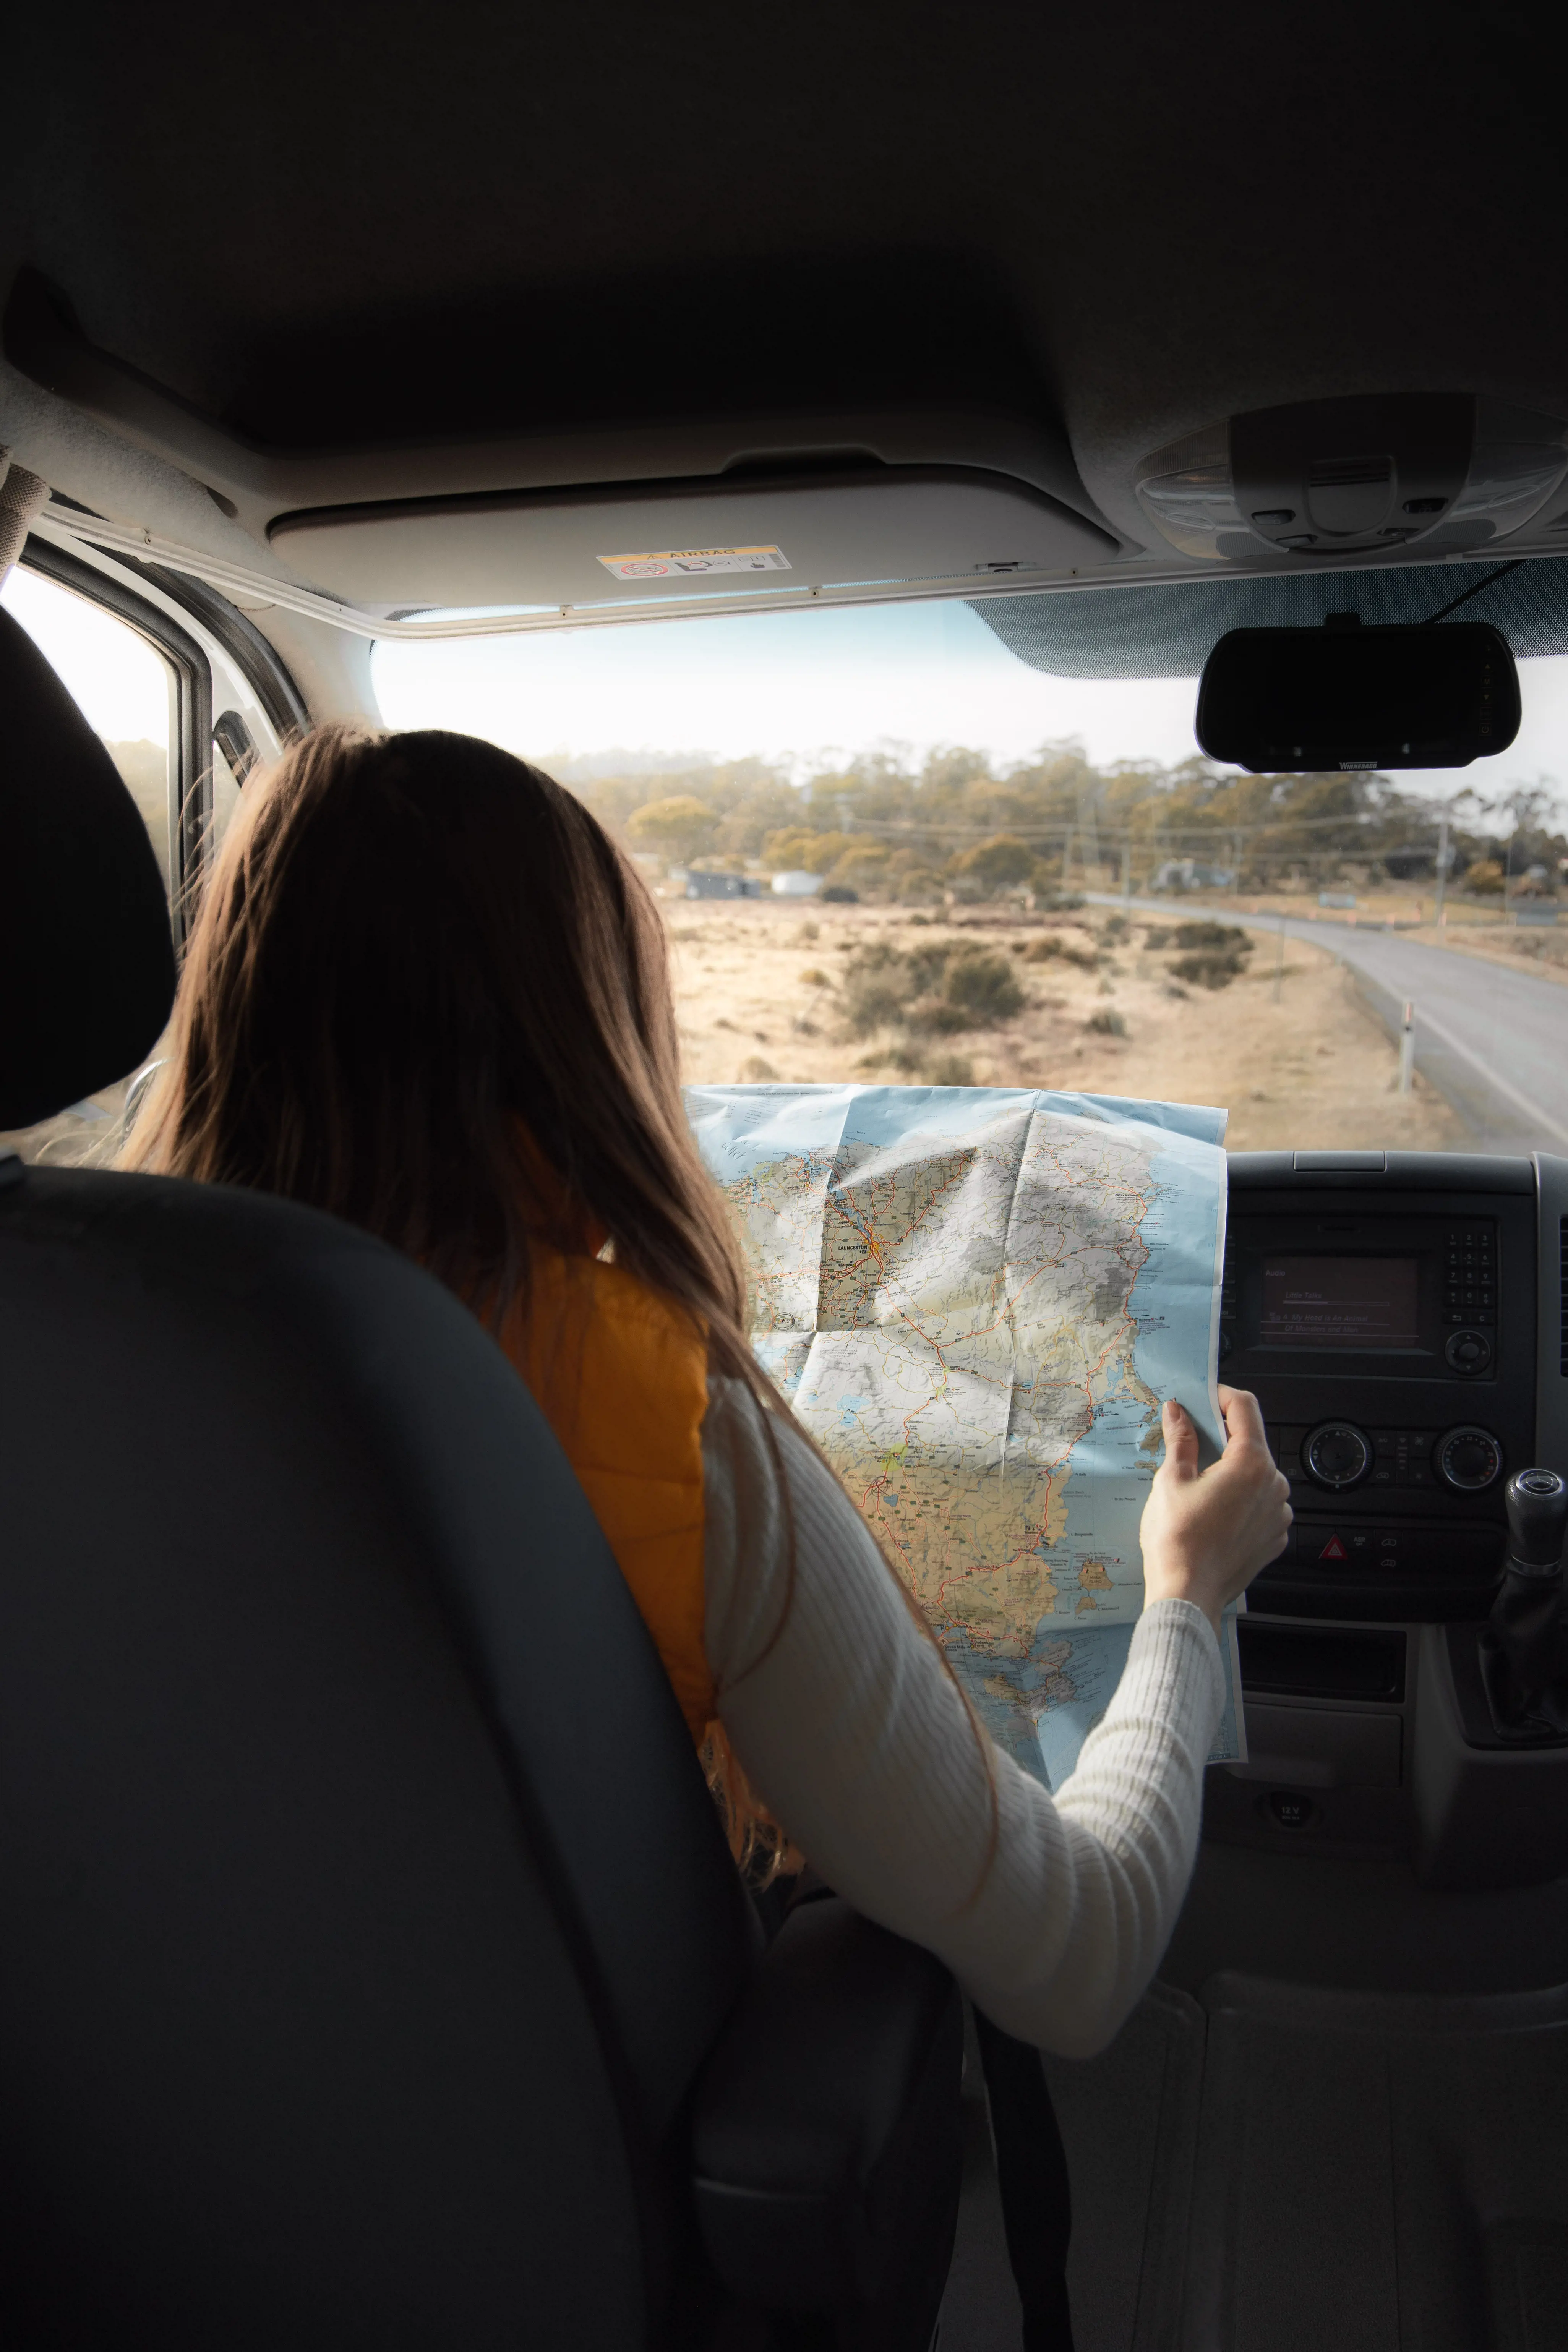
[1333, 1549]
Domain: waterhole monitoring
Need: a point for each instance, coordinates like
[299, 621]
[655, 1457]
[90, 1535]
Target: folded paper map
[975, 1299]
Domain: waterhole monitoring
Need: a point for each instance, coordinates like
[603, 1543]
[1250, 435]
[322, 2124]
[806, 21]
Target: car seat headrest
[87, 963]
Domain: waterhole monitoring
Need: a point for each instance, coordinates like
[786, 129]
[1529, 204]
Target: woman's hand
[1206, 1533]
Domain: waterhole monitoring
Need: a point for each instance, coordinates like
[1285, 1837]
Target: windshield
[887, 849]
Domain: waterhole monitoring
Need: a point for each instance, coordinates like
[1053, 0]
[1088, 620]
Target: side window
[129, 693]
[123, 687]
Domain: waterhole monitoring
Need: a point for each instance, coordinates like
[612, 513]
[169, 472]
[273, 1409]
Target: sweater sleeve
[1053, 1914]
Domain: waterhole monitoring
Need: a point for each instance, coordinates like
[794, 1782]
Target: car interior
[374, 1968]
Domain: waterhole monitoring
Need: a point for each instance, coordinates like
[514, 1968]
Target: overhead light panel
[1329, 479]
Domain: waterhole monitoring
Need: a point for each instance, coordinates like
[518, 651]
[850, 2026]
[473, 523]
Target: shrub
[983, 987]
[1054, 949]
[877, 988]
[839, 894]
[871, 1004]
[1210, 968]
[755, 1072]
[815, 977]
[950, 1070]
[934, 990]
[926, 965]
[935, 1016]
[1214, 954]
[1485, 876]
[1189, 936]
[1107, 1023]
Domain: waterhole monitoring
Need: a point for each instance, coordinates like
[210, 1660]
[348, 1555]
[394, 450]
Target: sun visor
[1170, 631]
[730, 535]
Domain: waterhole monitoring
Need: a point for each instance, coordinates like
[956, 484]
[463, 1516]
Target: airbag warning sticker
[672, 562]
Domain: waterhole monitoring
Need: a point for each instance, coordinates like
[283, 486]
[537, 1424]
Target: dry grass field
[760, 995]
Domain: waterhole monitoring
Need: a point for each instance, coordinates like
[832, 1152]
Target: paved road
[1494, 1041]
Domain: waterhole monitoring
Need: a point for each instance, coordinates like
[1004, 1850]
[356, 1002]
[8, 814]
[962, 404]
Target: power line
[1218, 833]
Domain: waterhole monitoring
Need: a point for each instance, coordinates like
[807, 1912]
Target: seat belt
[1032, 2177]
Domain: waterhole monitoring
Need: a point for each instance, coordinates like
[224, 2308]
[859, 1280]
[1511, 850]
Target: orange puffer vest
[621, 1375]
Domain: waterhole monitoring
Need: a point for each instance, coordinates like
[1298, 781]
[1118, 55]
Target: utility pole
[1089, 830]
[1442, 865]
[1407, 1048]
[1126, 877]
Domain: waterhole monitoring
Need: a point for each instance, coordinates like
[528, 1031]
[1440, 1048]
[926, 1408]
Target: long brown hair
[419, 965]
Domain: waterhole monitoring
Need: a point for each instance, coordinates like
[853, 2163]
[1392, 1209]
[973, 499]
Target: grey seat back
[364, 1916]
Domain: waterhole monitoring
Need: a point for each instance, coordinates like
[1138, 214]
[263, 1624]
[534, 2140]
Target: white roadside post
[1407, 1048]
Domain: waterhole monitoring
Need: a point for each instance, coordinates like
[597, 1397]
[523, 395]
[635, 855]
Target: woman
[426, 992]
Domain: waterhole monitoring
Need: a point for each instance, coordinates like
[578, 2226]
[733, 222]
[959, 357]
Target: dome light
[1446, 471]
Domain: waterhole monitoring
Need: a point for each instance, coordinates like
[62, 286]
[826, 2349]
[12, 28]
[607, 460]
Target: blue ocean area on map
[1040, 1709]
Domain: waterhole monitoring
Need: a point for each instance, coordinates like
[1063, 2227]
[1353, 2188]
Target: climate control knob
[1469, 1459]
[1336, 1454]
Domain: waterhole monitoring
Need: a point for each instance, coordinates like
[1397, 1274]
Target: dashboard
[1403, 1320]
[1387, 1310]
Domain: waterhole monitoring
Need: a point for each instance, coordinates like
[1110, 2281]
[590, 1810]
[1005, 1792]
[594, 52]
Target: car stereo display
[1341, 1302]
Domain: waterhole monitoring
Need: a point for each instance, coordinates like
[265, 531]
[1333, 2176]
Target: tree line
[889, 829]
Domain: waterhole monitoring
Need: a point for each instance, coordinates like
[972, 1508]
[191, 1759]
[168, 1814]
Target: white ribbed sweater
[852, 1734]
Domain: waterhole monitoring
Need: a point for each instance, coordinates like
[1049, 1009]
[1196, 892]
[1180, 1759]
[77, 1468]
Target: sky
[119, 682]
[807, 688]
[810, 688]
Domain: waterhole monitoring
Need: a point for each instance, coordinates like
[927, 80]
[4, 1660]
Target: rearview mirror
[1345, 696]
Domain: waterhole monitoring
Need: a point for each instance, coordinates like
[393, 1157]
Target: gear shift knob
[1537, 1522]
[1523, 1659]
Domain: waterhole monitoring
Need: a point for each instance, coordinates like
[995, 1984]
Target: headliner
[329, 228]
